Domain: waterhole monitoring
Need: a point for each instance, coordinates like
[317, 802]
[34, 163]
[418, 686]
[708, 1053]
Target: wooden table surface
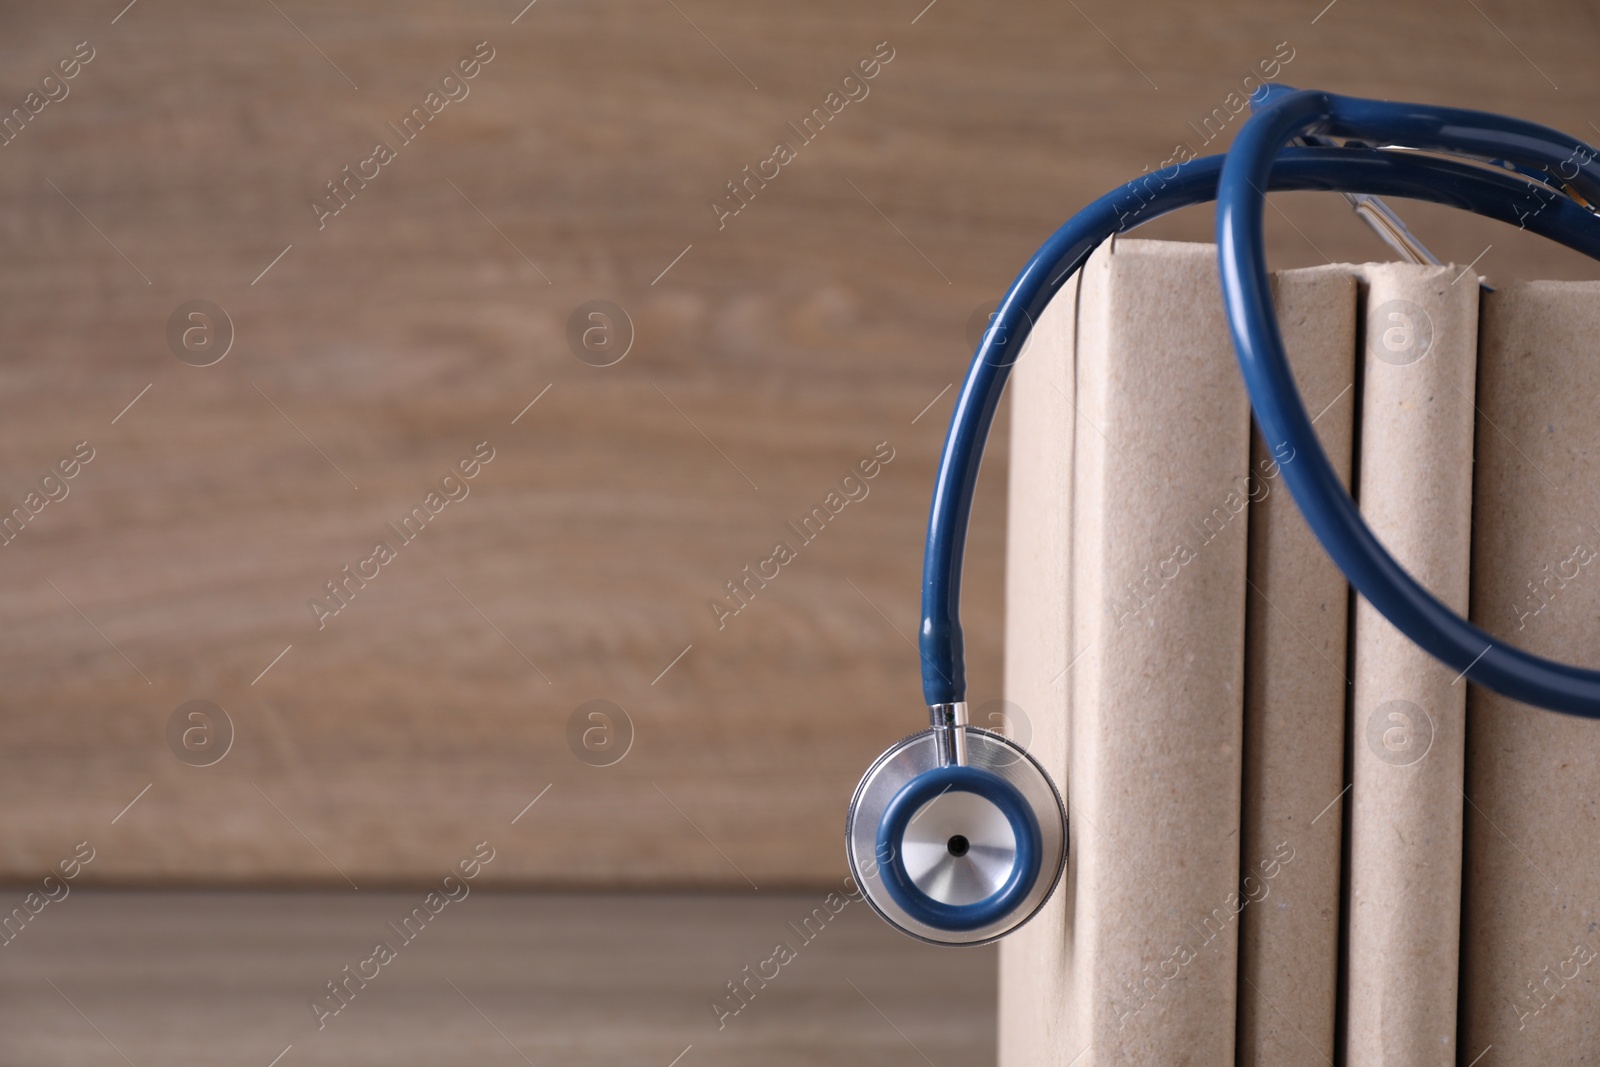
[771, 351]
[201, 978]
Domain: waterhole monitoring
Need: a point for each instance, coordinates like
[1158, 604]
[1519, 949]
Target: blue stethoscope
[956, 834]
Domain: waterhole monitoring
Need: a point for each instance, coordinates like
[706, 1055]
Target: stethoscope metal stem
[949, 723]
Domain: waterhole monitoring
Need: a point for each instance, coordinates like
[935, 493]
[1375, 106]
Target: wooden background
[773, 353]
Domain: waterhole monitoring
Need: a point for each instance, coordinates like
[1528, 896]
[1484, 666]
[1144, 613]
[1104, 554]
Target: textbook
[1161, 449]
[1131, 483]
[1530, 940]
[1038, 654]
[1296, 686]
[1407, 722]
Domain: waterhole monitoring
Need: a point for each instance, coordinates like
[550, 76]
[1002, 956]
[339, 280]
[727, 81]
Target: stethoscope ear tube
[1282, 415]
[1258, 162]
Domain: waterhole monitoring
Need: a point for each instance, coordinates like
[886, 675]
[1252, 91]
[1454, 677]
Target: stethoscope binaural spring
[956, 834]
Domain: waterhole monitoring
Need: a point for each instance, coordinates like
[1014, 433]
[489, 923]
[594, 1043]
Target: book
[1296, 689]
[1038, 651]
[1407, 725]
[1136, 955]
[1530, 941]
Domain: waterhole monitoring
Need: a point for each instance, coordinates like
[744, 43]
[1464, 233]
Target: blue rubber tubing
[930, 785]
[1258, 163]
[1281, 413]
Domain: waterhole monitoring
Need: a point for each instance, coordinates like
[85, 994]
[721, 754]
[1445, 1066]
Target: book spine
[1162, 442]
[1407, 728]
[1038, 650]
[1296, 688]
[1530, 946]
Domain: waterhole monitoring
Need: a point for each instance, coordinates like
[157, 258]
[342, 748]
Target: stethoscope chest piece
[956, 854]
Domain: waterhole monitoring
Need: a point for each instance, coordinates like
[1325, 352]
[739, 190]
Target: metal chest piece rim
[976, 857]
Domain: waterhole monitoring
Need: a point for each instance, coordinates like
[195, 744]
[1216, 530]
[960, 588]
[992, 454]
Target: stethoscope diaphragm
[956, 854]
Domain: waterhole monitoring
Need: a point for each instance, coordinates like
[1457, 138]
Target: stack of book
[1295, 837]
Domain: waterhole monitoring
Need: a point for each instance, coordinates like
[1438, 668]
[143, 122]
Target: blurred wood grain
[768, 357]
[591, 980]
